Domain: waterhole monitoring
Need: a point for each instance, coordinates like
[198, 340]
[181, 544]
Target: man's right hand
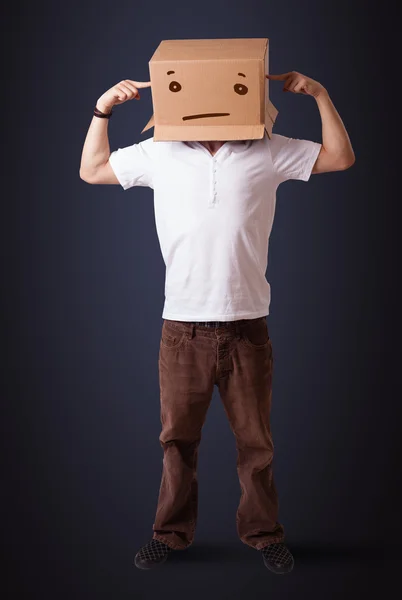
[95, 166]
[120, 93]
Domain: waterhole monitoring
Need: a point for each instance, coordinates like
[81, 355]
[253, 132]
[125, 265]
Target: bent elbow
[346, 163]
[85, 177]
[350, 162]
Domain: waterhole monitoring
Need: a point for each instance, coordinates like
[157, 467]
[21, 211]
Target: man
[214, 210]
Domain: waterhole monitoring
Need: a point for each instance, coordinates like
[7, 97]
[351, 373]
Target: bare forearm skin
[96, 150]
[335, 138]
[95, 166]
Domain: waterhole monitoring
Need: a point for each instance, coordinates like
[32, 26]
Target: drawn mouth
[205, 115]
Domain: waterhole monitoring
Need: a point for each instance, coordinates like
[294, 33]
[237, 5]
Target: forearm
[96, 150]
[335, 139]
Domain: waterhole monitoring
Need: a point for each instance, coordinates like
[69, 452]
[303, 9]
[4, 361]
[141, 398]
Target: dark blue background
[83, 282]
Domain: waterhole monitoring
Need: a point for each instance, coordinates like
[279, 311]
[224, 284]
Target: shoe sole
[148, 566]
[278, 571]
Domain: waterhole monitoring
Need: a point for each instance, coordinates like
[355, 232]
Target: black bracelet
[102, 115]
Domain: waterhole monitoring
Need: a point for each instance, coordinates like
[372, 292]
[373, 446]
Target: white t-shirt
[213, 217]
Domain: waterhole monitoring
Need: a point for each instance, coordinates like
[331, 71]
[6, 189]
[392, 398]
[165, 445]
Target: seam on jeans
[245, 340]
[222, 375]
[237, 512]
[174, 546]
[217, 361]
[193, 500]
[251, 345]
[165, 332]
[181, 343]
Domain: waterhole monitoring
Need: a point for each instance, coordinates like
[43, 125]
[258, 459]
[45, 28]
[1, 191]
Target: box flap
[270, 116]
[271, 111]
[204, 49]
[150, 124]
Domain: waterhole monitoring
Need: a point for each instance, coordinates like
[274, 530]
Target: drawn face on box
[210, 89]
[206, 92]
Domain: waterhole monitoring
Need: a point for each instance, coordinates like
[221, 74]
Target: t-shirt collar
[230, 146]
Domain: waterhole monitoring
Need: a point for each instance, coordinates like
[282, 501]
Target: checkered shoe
[277, 558]
[151, 555]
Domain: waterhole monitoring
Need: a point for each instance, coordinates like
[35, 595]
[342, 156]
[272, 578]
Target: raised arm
[95, 166]
[336, 153]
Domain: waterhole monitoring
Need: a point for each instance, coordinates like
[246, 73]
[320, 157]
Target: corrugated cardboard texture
[213, 89]
[211, 49]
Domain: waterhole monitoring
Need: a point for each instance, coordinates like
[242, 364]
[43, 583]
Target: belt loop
[192, 331]
[238, 330]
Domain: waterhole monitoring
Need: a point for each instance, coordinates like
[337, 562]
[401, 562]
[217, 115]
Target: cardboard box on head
[207, 90]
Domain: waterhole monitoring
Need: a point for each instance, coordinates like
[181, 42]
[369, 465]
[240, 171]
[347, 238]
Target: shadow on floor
[304, 554]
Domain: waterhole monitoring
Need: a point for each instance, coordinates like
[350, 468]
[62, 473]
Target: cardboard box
[205, 90]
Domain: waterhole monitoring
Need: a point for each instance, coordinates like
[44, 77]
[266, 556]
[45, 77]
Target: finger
[292, 85]
[288, 83]
[129, 92]
[305, 88]
[131, 86]
[140, 84]
[120, 93]
[298, 88]
[281, 77]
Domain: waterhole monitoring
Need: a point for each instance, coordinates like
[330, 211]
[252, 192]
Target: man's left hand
[299, 84]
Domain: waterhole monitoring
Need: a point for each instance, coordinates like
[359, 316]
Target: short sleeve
[292, 158]
[135, 165]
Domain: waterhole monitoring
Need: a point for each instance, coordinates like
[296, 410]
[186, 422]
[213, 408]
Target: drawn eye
[241, 89]
[174, 86]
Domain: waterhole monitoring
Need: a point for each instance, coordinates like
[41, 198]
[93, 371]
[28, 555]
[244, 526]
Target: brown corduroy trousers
[237, 357]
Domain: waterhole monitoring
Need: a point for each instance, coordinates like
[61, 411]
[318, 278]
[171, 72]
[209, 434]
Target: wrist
[105, 108]
[322, 94]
